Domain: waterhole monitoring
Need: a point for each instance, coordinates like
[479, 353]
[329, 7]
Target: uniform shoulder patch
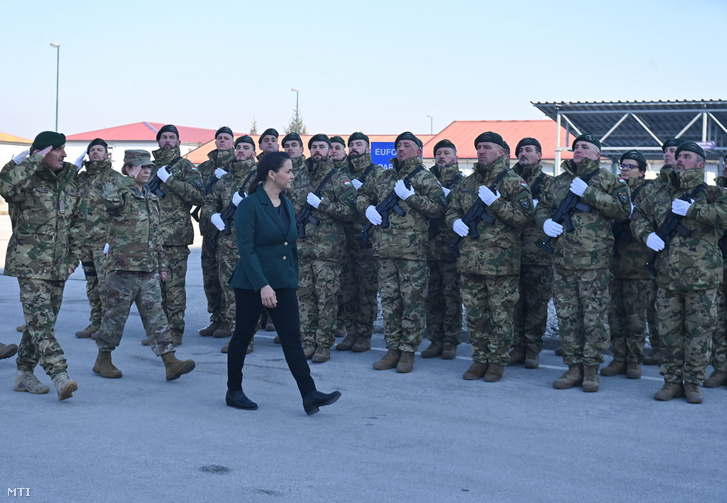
[623, 197]
[524, 184]
[621, 180]
[347, 182]
[525, 203]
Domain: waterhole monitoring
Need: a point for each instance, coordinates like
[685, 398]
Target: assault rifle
[305, 214]
[229, 213]
[207, 190]
[568, 206]
[155, 185]
[391, 203]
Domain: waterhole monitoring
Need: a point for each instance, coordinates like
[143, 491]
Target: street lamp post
[431, 124]
[58, 75]
[297, 117]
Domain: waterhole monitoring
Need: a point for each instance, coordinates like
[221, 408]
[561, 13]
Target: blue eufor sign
[382, 153]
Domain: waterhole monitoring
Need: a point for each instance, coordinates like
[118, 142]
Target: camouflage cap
[48, 139]
[318, 137]
[291, 137]
[357, 136]
[589, 138]
[269, 132]
[245, 139]
[338, 139]
[635, 155]
[671, 142]
[444, 144]
[169, 128]
[137, 157]
[406, 135]
[490, 137]
[690, 146]
[525, 142]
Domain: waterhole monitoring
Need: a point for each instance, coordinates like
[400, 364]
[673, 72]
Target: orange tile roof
[145, 131]
[9, 138]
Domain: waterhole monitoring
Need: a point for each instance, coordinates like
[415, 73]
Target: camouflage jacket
[48, 232]
[216, 159]
[134, 237]
[12, 212]
[220, 198]
[407, 236]
[327, 241]
[532, 235]
[183, 190]
[721, 181]
[90, 183]
[357, 168]
[497, 251]
[299, 189]
[693, 262]
[341, 164]
[629, 254]
[441, 235]
[590, 244]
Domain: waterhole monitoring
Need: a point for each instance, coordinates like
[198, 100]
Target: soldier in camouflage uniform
[338, 152]
[225, 193]
[490, 264]
[340, 161]
[98, 172]
[43, 251]
[444, 299]
[688, 272]
[582, 257]
[536, 265]
[211, 171]
[631, 285]
[401, 247]
[268, 142]
[359, 283]
[320, 248]
[135, 265]
[182, 188]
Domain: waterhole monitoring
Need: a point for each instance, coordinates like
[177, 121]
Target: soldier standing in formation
[340, 161]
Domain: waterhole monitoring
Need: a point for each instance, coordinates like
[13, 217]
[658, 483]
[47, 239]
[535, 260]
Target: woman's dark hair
[272, 161]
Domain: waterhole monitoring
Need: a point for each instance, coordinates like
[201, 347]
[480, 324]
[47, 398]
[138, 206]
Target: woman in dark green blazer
[266, 277]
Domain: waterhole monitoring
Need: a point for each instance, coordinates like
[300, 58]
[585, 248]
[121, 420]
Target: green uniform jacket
[134, 237]
[407, 236]
[356, 168]
[48, 233]
[216, 159]
[497, 251]
[220, 198]
[268, 251]
[629, 254]
[91, 183]
[12, 212]
[327, 240]
[440, 234]
[694, 262]
[590, 244]
[182, 191]
[531, 235]
[298, 192]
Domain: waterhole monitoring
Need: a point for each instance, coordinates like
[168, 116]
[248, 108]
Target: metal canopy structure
[641, 125]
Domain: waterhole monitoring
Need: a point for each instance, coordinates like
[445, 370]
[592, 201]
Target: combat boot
[668, 391]
[614, 368]
[276, 339]
[321, 355]
[517, 356]
[146, 342]
[309, 350]
[633, 370]
[339, 332]
[591, 381]
[449, 352]
[559, 351]
[222, 331]
[389, 361]
[176, 368]
[362, 344]
[225, 348]
[250, 347]
[476, 371]
[494, 372]
[25, 380]
[572, 377]
[347, 343]
[269, 327]
[87, 332]
[104, 367]
[6, 351]
[434, 349]
[64, 386]
[532, 359]
[20, 328]
[716, 380]
[209, 329]
[692, 393]
[406, 362]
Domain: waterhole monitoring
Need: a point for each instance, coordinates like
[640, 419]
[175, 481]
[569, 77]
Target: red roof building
[145, 132]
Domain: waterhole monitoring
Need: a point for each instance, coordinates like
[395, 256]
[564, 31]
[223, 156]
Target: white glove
[402, 191]
[216, 220]
[680, 207]
[655, 242]
[460, 227]
[164, 174]
[357, 184]
[631, 214]
[578, 186]
[21, 156]
[106, 249]
[446, 191]
[236, 198]
[488, 197]
[552, 229]
[79, 161]
[219, 172]
[313, 200]
[535, 203]
[373, 215]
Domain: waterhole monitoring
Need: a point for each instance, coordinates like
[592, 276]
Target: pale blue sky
[374, 66]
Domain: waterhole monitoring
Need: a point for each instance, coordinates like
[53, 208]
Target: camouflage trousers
[213, 287]
[94, 268]
[226, 262]
[403, 288]
[359, 286]
[41, 300]
[719, 337]
[318, 284]
[490, 303]
[530, 317]
[627, 318]
[144, 289]
[174, 289]
[686, 322]
[444, 302]
[581, 301]
[651, 319]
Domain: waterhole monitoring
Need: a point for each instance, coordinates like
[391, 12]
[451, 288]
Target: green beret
[48, 139]
[527, 141]
[97, 141]
[587, 138]
[490, 137]
[637, 156]
[169, 128]
[358, 136]
[269, 131]
[318, 137]
[408, 136]
[225, 130]
[338, 139]
[245, 139]
[690, 146]
[505, 146]
[291, 137]
[444, 144]
[671, 142]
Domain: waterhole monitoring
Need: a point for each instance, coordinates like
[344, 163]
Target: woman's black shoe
[317, 399]
[238, 400]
